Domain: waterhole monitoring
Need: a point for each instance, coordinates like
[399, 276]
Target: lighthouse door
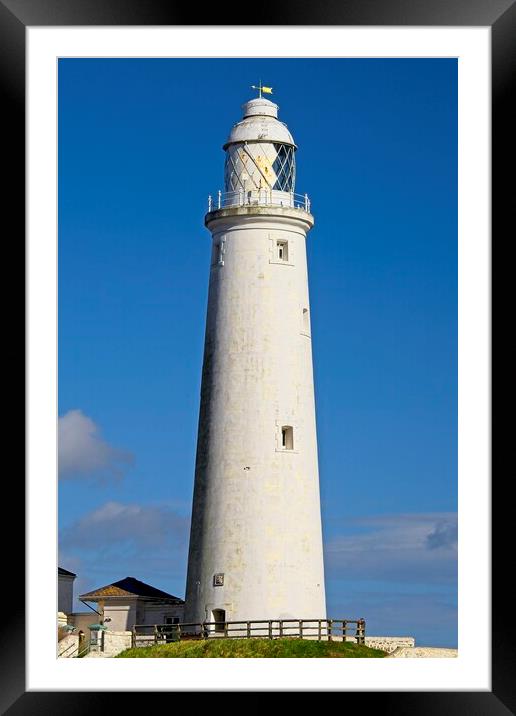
[219, 617]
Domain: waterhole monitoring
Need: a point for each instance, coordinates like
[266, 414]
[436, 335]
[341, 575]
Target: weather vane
[261, 88]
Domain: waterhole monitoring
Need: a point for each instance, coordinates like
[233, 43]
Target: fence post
[155, 633]
[281, 627]
[225, 630]
[319, 634]
[330, 628]
[361, 631]
[300, 628]
[133, 636]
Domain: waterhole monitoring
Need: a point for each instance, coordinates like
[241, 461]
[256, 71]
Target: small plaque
[218, 580]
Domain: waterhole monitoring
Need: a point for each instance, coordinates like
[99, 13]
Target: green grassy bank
[254, 649]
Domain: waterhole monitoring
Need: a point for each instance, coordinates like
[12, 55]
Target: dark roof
[130, 587]
[60, 570]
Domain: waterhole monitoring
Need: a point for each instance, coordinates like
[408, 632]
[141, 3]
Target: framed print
[53, 55]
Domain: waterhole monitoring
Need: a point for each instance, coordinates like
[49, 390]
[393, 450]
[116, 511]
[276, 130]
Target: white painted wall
[122, 614]
[125, 612]
[65, 593]
[158, 613]
[256, 512]
[81, 621]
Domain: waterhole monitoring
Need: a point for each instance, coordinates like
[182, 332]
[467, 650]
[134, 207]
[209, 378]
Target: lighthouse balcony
[258, 197]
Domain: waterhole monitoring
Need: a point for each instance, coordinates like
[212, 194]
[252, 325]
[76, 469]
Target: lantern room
[260, 156]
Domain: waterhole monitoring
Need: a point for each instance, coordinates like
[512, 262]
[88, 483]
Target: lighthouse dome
[260, 123]
[260, 106]
[259, 151]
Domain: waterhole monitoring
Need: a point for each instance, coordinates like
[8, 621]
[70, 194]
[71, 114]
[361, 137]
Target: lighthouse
[256, 541]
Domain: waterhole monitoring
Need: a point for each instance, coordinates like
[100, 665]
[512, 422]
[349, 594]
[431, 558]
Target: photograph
[259, 316]
[257, 336]
[258, 354]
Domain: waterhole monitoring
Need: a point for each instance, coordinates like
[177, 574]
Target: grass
[254, 649]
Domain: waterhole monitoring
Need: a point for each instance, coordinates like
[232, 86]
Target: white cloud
[429, 616]
[83, 453]
[126, 528]
[444, 536]
[416, 548]
[118, 540]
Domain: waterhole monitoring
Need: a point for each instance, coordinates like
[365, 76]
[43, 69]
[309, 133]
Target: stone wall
[423, 652]
[389, 643]
[116, 641]
[62, 619]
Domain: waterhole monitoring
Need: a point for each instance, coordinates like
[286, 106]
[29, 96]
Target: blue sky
[140, 149]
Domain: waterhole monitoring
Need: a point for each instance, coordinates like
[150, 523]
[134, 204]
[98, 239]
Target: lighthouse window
[287, 437]
[284, 167]
[282, 248]
[219, 249]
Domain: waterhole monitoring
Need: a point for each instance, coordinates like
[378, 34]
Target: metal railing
[258, 197]
[74, 651]
[315, 629]
[70, 652]
[85, 650]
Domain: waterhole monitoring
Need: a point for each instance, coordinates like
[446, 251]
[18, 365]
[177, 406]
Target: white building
[256, 543]
[65, 580]
[127, 602]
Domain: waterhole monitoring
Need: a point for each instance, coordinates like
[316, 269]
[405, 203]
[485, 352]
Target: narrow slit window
[222, 251]
[282, 248]
[219, 249]
[287, 437]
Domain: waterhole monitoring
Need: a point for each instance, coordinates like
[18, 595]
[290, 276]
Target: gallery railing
[318, 629]
[258, 197]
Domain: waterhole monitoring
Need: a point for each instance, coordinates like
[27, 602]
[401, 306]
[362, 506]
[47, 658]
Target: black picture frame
[500, 16]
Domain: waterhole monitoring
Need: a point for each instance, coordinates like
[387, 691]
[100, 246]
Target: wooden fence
[316, 629]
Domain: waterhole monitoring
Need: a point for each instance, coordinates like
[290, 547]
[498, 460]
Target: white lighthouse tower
[255, 542]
